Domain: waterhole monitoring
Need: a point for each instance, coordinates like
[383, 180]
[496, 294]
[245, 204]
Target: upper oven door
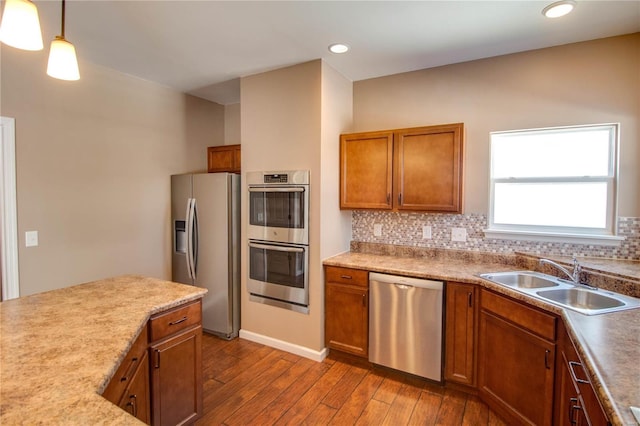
[279, 213]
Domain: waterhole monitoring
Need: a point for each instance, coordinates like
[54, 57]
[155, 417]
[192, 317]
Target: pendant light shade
[63, 63]
[20, 26]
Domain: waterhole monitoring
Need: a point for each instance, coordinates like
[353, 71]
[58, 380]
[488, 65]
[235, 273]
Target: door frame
[8, 210]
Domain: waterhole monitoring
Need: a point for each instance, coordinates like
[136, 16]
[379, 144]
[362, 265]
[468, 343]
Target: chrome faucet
[574, 276]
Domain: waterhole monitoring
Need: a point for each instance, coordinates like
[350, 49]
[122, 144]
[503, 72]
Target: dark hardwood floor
[246, 383]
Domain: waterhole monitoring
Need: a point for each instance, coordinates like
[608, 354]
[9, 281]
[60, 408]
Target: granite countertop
[60, 348]
[609, 344]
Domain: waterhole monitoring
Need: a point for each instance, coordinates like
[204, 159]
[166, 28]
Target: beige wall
[93, 164]
[337, 116]
[232, 124]
[583, 83]
[283, 128]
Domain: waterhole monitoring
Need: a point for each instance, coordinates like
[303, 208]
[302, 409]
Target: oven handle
[275, 189]
[277, 248]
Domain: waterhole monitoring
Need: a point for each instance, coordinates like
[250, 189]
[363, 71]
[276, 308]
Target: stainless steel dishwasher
[405, 324]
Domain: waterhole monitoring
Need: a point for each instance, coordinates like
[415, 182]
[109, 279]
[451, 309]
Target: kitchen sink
[522, 279]
[566, 294]
[581, 298]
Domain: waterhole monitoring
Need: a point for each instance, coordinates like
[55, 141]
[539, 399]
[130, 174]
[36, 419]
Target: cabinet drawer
[347, 276]
[533, 320]
[125, 372]
[175, 320]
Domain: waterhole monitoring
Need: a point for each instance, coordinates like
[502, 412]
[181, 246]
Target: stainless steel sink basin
[581, 298]
[566, 294]
[522, 279]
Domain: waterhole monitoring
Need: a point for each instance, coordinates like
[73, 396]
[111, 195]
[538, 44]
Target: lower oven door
[279, 271]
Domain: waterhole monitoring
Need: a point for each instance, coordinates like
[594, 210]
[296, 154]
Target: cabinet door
[516, 371]
[575, 400]
[347, 318]
[135, 399]
[224, 158]
[366, 161]
[428, 169]
[461, 309]
[177, 378]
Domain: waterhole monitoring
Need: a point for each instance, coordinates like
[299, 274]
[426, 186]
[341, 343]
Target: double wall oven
[278, 232]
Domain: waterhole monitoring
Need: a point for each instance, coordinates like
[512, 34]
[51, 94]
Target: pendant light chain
[63, 4]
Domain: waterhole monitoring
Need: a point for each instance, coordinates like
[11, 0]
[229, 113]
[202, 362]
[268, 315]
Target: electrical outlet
[31, 238]
[377, 230]
[426, 232]
[458, 234]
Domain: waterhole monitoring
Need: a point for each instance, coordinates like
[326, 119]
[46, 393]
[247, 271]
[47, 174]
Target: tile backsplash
[408, 229]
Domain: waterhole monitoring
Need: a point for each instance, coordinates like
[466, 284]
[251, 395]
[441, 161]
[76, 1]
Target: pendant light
[63, 63]
[20, 26]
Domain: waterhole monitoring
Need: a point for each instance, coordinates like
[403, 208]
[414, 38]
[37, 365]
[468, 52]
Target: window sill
[604, 240]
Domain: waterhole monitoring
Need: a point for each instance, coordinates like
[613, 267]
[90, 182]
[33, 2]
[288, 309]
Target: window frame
[582, 235]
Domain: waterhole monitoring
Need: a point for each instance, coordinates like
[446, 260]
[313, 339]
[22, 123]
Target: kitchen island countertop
[60, 348]
[609, 344]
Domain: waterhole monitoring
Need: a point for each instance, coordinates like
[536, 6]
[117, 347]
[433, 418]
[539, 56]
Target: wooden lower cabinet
[177, 378]
[460, 333]
[160, 378]
[129, 387]
[136, 399]
[347, 310]
[516, 360]
[575, 401]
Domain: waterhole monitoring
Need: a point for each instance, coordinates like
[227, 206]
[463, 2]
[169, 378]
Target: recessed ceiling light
[558, 9]
[338, 48]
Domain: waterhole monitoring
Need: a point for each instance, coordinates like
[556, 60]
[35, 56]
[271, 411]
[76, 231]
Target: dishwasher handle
[405, 281]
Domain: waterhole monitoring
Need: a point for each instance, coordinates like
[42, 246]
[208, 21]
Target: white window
[556, 184]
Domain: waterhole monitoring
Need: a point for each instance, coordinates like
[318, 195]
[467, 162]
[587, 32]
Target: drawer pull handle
[346, 277]
[470, 299]
[183, 319]
[572, 408]
[129, 372]
[133, 404]
[573, 373]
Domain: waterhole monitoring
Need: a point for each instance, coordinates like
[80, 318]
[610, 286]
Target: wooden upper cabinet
[366, 162]
[224, 158]
[428, 169]
[419, 169]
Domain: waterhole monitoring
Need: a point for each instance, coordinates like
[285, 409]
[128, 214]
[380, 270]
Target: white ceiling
[203, 47]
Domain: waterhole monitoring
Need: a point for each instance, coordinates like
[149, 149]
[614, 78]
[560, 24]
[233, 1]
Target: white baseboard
[302, 351]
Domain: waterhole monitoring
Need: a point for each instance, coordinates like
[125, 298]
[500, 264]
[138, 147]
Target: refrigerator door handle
[189, 230]
[195, 233]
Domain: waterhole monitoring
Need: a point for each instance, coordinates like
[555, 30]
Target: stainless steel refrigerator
[205, 223]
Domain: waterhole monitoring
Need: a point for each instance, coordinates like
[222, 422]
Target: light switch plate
[377, 230]
[31, 238]
[458, 234]
[426, 232]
